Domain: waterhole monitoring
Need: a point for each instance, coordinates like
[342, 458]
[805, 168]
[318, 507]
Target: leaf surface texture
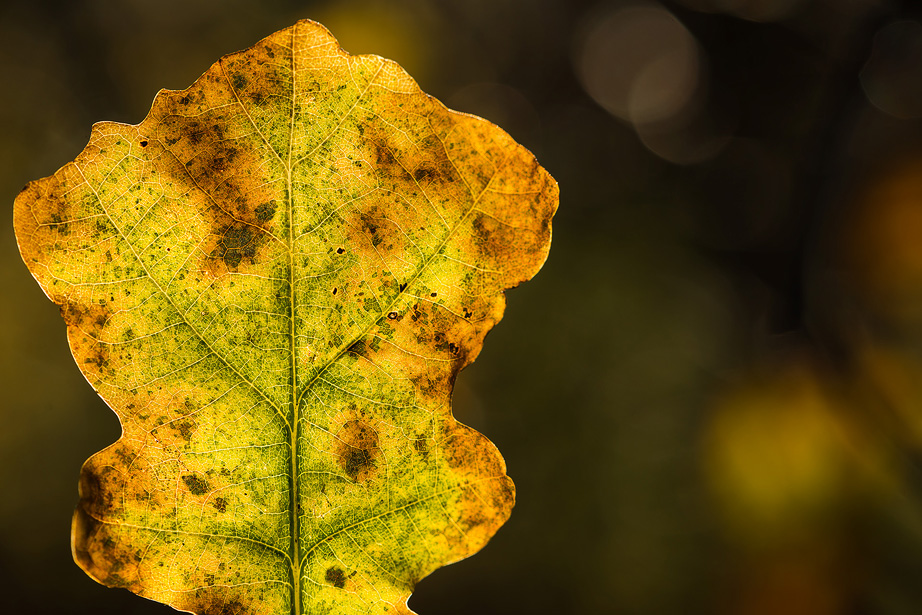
[273, 280]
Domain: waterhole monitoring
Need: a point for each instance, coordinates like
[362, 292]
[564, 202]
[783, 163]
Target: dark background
[710, 398]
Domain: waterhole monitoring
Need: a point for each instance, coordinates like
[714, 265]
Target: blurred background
[710, 399]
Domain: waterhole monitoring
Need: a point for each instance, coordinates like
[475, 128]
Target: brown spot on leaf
[266, 211]
[100, 483]
[212, 603]
[85, 316]
[98, 357]
[425, 174]
[371, 226]
[90, 484]
[185, 429]
[221, 504]
[358, 348]
[385, 162]
[238, 242]
[357, 449]
[108, 560]
[196, 484]
[222, 178]
[473, 518]
[336, 577]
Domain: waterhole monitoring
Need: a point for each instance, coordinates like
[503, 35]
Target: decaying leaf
[273, 280]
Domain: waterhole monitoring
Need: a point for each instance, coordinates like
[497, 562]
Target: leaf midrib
[294, 488]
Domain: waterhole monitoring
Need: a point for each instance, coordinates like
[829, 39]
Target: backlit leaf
[273, 280]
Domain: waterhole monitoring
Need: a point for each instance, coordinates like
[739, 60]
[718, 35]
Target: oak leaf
[273, 280]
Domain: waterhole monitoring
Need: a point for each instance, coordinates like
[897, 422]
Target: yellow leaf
[273, 280]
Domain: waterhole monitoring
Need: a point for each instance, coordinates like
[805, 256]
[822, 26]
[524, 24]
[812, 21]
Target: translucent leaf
[273, 280]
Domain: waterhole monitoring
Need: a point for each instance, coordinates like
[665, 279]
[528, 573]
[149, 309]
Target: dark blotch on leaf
[195, 133]
[357, 348]
[195, 484]
[424, 174]
[336, 576]
[115, 579]
[356, 461]
[186, 429]
[265, 211]
[90, 484]
[98, 358]
[220, 504]
[383, 155]
[357, 449]
[217, 606]
[371, 227]
[238, 241]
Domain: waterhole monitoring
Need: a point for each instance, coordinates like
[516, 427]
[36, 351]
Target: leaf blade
[273, 280]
